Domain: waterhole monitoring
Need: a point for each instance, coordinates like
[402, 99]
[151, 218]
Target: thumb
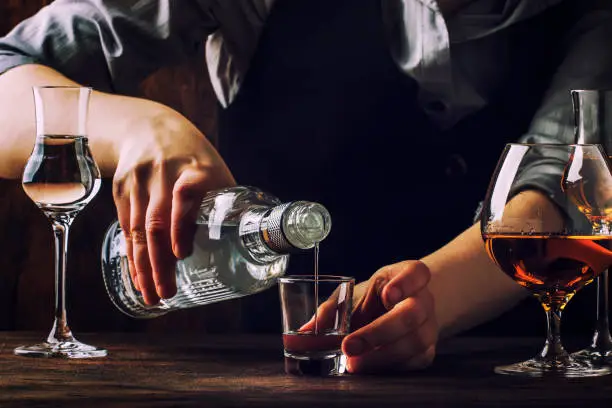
[330, 314]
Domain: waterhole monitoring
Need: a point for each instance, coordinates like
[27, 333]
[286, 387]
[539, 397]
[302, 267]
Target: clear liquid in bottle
[241, 247]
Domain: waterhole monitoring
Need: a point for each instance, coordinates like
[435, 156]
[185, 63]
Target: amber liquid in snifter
[550, 247]
[552, 267]
[594, 200]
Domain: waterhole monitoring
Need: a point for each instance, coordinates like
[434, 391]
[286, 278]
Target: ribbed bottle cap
[296, 225]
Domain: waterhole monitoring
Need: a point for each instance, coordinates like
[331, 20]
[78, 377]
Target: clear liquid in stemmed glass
[61, 177]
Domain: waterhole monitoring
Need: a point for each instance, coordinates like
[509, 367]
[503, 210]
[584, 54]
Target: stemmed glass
[592, 113]
[61, 177]
[535, 229]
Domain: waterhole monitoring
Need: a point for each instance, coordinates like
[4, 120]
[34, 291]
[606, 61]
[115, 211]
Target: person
[408, 95]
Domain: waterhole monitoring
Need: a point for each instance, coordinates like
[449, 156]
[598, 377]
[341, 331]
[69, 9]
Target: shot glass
[316, 317]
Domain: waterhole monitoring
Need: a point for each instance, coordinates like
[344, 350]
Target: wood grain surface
[247, 371]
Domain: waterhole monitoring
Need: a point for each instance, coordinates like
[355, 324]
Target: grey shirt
[112, 45]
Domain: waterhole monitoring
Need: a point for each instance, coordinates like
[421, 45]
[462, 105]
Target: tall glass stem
[553, 352]
[61, 227]
[602, 341]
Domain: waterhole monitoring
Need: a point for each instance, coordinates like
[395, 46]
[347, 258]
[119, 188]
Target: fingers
[393, 358]
[323, 318]
[188, 192]
[327, 314]
[139, 198]
[157, 226]
[158, 219]
[407, 279]
[122, 202]
[159, 181]
[387, 287]
[405, 319]
[414, 350]
[402, 338]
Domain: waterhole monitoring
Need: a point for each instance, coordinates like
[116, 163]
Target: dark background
[324, 115]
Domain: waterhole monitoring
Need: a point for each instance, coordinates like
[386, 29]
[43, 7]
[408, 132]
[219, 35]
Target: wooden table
[221, 371]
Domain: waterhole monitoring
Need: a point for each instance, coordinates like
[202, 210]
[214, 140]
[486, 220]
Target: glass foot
[594, 355]
[570, 368]
[62, 349]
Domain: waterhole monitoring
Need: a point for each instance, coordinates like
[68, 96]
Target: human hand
[164, 169]
[393, 322]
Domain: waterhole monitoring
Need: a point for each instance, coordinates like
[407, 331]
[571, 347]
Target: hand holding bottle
[242, 245]
[164, 169]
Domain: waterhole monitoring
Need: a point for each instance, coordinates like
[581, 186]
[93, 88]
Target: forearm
[467, 286]
[112, 119]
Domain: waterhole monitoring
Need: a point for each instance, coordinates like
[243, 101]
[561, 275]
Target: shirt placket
[426, 57]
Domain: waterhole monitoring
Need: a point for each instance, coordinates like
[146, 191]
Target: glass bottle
[593, 125]
[241, 247]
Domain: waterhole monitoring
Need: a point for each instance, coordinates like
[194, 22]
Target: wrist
[118, 123]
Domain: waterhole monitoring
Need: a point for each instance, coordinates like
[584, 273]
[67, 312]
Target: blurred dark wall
[13, 11]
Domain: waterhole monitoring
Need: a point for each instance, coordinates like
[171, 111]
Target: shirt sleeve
[111, 45]
[230, 49]
[587, 65]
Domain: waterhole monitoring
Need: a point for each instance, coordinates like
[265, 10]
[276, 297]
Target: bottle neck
[283, 229]
[272, 231]
[592, 110]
